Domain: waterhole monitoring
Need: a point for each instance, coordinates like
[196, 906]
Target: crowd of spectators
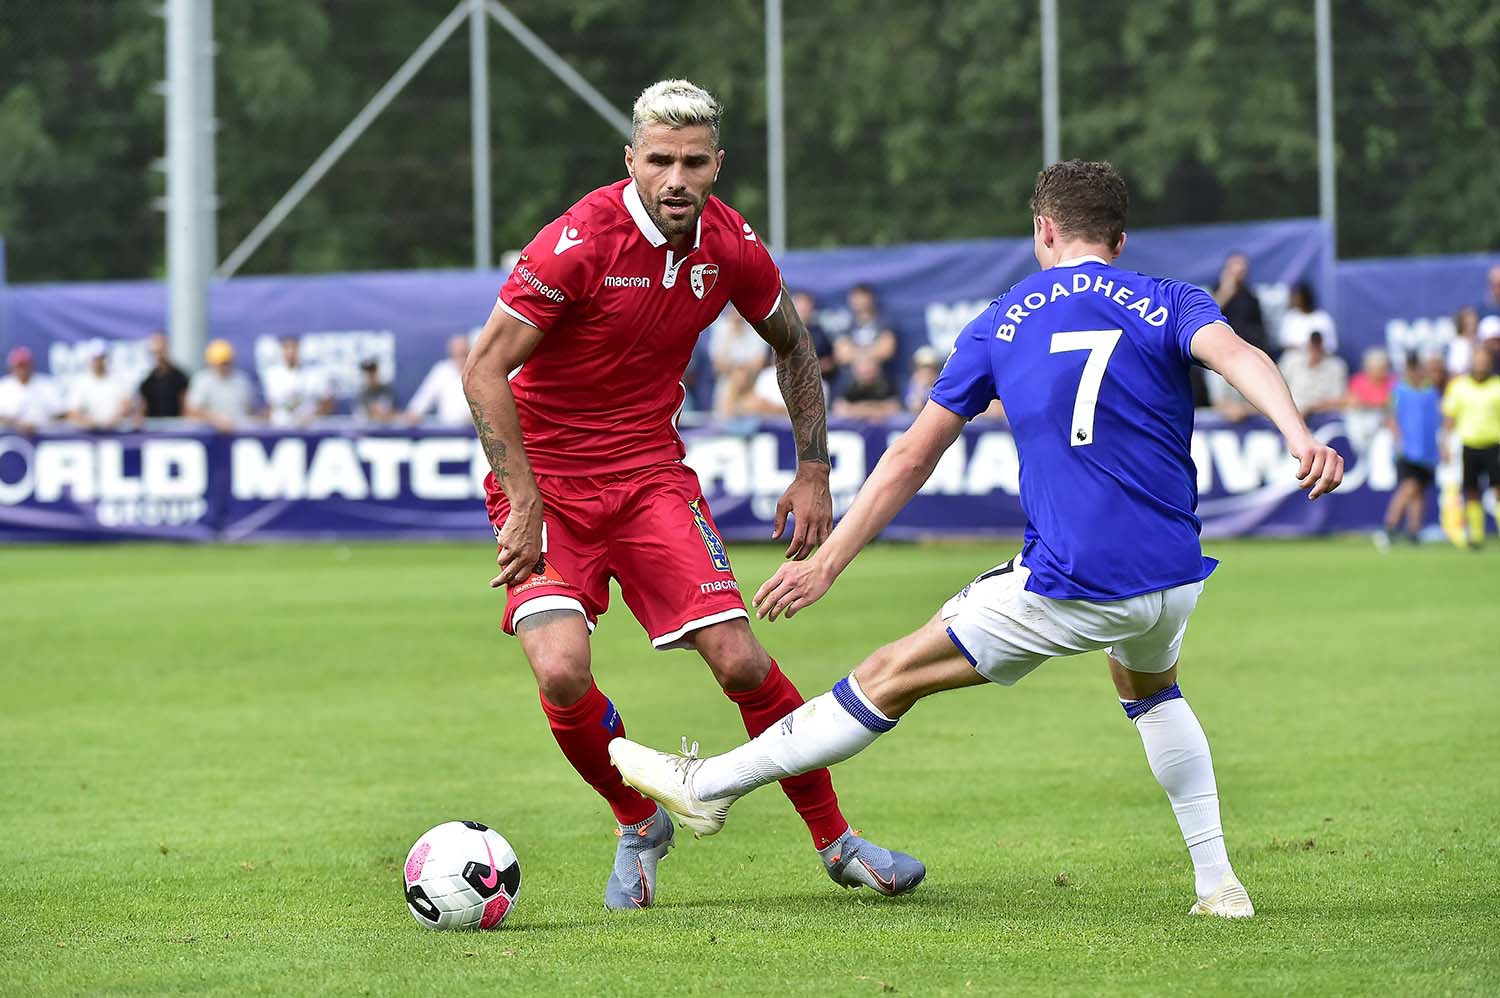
[288, 393]
[866, 375]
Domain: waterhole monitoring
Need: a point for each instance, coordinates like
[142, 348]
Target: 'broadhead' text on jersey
[1091, 363]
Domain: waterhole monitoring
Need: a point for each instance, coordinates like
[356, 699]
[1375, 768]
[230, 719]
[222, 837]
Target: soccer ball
[461, 875]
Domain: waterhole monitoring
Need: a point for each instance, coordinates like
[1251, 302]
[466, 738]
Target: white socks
[821, 732]
[1177, 751]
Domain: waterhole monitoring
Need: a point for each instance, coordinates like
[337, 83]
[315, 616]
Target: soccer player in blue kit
[1092, 364]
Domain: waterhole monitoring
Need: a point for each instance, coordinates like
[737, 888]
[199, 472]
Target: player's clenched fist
[1320, 468]
[520, 540]
[794, 586]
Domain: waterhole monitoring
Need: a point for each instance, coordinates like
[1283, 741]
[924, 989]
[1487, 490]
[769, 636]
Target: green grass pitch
[212, 761]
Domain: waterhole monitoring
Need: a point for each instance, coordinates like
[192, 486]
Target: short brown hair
[1086, 200]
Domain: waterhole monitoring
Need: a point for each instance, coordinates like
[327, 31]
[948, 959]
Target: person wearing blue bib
[1416, 421]
[1092, 364]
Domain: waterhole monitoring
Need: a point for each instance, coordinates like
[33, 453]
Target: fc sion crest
[702, 277]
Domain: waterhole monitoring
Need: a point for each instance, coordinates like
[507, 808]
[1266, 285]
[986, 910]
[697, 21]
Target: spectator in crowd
[1371, 387]
[738, 354]
[220, 395]
[925, 365]
[807, 310]
[1318, 380]
[96, 400]
[764, 399]
[868, 340]
[374, 402]
[1492, 300]
[1471, 410]
[1304, 318]
[1415, 423]
[1238, 301]
[441, 393]
[28, 401]
[161, 391]
[867, 393]
[1225, 399]
[1465, 335]
[295, 395]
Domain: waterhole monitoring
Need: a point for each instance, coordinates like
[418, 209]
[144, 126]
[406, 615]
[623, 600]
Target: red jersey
[622, 312]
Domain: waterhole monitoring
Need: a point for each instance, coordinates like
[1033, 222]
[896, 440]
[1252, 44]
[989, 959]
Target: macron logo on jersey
[566, 240]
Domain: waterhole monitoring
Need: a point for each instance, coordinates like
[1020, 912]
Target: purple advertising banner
[927, 292]
[351, 483]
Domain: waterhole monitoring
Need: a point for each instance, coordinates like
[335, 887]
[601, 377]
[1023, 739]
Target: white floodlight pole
[479, 131]
[190, 202]
[345, 139]
[1051, 140]
[775, 128]
[1327, 192]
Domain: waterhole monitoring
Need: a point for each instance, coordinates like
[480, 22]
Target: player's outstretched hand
[520, 540]
[811, 506]
[795, 586]
[1320, 469]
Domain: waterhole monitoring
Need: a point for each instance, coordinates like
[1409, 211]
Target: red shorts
[650, 529]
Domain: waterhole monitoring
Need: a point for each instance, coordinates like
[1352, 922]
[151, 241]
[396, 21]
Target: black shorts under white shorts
[1481, 467]
[1412, 471]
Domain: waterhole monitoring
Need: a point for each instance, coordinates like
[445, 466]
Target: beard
[670, 227]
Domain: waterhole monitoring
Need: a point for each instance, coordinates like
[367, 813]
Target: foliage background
[904, 121]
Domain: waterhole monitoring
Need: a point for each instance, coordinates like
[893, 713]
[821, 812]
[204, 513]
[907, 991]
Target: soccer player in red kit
[601, 315]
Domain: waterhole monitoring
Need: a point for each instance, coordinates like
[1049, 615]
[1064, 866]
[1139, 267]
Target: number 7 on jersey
[1100, 343]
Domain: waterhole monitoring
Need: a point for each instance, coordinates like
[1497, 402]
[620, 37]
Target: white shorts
[1005, 631]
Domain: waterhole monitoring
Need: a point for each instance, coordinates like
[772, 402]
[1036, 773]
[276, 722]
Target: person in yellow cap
[220, 395]
[1471, 410]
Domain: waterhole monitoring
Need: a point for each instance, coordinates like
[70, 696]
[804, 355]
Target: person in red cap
[27, 400]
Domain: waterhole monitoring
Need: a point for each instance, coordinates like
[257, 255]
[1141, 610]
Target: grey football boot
[632, 883]
[855, 862]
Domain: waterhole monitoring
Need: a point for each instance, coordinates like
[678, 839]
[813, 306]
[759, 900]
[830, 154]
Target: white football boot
[1231, 900]
[667, 778]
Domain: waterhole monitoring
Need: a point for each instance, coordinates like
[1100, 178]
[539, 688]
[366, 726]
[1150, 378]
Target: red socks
[811, 793]
[583, 731]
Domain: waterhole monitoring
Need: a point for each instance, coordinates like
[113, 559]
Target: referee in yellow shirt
[1471, 408]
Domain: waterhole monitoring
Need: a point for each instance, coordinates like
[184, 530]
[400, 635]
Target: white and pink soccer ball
[461, 875]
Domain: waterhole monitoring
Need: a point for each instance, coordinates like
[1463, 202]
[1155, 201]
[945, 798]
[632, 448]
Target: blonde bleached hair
[676, 104]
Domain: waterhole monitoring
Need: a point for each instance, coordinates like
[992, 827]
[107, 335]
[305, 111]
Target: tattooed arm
[807, 499]
[500, 349]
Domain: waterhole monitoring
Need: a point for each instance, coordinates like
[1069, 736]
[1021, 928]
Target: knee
[740, 666]
[563, 678]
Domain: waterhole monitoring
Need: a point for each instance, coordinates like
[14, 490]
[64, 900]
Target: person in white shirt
[28, 400]
[1460, 352]
[96, 400]
[441, 392]
[738, 355]
[295, 395]
[1317, 379]
[1303, 318]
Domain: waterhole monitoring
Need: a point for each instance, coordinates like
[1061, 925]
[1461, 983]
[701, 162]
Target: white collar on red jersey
[1075, 261]
[637, 209]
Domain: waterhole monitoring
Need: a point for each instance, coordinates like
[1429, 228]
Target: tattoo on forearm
[494, 447]
[800, 379]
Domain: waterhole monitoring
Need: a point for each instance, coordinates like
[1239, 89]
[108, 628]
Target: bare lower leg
[1139, 685]
[1400, 501]
[1416, 509]
[921, 664]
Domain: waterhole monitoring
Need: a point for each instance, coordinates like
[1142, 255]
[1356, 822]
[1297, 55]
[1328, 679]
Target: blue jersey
[1419, 417]
[1092, 365]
